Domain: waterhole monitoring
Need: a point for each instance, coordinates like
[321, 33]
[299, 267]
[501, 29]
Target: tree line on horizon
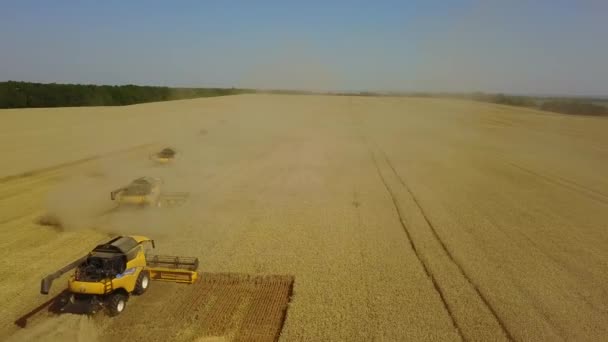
[563, 105]
[15, 94]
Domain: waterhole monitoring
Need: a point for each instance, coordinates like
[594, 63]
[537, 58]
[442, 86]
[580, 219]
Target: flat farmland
[398, 218]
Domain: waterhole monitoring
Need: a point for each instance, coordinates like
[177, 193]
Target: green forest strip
[37, 95]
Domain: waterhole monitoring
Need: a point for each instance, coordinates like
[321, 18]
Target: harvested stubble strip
[220, 305]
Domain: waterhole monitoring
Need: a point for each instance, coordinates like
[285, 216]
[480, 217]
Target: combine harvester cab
[113, 271]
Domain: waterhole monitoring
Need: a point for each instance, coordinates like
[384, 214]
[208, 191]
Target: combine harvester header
[173, 268]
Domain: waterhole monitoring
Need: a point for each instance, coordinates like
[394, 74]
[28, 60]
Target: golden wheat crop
[399, 218]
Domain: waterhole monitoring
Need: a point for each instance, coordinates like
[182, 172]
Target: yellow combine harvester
[165, 156]
[142, 191]
[145, 191]
[108, 275]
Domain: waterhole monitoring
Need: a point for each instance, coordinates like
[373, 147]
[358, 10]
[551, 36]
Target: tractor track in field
[14, 218]
[369, 302]
[371, 145]
[32, 183]
[565, 183]
[445, 248]
[56, 167]
[364, 140]
[415, 249]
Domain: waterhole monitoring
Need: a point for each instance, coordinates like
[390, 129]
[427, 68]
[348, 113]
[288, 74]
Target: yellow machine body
[112, 271]
[141, 192]
[127, 280]
[165, 156]
[162, 160]
[159, 267]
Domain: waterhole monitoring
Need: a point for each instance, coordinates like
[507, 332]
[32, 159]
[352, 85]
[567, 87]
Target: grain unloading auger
[112, 271]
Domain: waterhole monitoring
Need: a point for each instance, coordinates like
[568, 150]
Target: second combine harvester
[146, 192]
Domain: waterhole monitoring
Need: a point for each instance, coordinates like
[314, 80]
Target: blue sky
[538, 47]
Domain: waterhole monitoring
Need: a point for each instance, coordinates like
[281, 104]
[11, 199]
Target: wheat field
[398, 218]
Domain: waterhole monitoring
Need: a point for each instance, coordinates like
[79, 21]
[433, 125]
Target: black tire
[142, 283]
[116, 303]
